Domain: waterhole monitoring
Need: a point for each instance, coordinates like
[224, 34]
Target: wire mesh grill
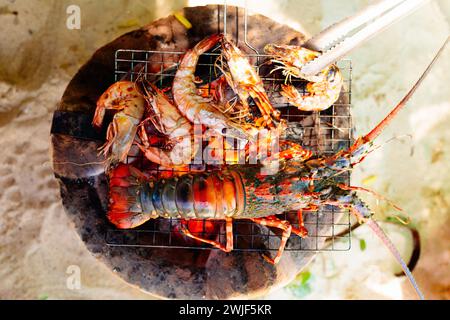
[324, 133]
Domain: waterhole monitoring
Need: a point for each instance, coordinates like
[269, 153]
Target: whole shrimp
[322, 90]
[168, 120]
[124, 97]
[191, 103]
[245, 82]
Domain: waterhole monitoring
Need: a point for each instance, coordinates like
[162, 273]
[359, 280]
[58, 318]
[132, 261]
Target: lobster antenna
[382, 235]
[386, 121]
[383, 124]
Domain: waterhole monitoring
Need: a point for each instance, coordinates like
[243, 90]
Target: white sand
[38, 56]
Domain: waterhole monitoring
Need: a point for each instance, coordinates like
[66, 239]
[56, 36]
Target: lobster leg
[377, 195]
[280, 224]
[293, 151]
[301, 231]
[229, 235]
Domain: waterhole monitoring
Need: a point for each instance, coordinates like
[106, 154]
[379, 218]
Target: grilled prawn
[245, 82]
[168, 120]
[322, 90]
[190, 102]
[125, 98]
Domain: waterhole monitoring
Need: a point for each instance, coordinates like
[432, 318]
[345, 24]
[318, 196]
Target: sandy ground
[39, 55]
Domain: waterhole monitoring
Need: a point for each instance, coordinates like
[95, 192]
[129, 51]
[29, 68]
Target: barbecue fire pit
[155, 257]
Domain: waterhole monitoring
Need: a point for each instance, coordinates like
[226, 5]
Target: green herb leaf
[362, 244]
[305, 277]
[301, 287]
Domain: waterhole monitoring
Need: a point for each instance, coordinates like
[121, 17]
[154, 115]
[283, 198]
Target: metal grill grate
[324, 133]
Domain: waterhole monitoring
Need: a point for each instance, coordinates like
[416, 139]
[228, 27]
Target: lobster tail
[129, 204]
